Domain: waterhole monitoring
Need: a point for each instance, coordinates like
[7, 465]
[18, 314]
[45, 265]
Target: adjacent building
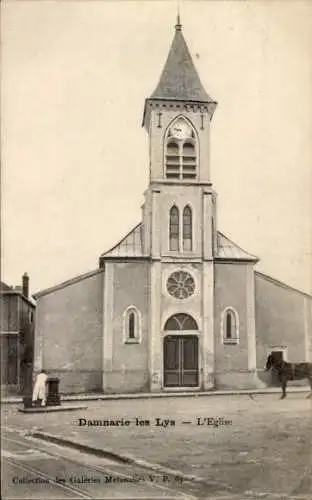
[175, 305]
[17, 314]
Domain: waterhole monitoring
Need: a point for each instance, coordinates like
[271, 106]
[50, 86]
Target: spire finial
[178, 26]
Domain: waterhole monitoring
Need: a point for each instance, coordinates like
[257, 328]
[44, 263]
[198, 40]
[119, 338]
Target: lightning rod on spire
[178, 26]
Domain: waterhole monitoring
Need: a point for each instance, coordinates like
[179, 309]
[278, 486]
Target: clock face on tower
[181, 130]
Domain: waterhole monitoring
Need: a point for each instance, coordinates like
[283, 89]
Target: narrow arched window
[187, 229]
[132, 325]
[230, 326]
[174, 229]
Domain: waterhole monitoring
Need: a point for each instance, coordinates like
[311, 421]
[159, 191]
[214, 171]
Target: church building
[175, 305]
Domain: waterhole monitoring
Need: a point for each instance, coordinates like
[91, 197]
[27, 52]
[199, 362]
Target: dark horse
[290, 371]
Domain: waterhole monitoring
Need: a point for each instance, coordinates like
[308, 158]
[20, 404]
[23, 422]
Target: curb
[50, 409]
[124, 458]
[108, 397]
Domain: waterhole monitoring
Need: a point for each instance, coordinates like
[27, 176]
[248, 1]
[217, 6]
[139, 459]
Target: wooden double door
[181, 361]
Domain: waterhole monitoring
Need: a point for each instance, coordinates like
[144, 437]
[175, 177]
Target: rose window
[180, 285]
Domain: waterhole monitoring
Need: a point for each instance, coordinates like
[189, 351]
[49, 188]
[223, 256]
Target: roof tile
[130, 246]
[179, 79]
[227, 249]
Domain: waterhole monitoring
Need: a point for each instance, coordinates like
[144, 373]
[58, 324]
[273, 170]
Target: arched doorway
[181, 352]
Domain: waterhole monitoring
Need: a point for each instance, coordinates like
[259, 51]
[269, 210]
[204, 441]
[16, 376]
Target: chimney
[25, 282]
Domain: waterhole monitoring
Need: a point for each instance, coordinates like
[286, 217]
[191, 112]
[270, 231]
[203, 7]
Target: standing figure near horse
[290, 371]
[40, 389]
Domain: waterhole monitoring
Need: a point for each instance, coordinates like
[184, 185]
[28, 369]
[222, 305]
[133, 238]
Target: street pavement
[33, 469]
[236, 446]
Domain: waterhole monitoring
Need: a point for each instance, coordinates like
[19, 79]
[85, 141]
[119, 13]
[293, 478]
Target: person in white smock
[40, 388]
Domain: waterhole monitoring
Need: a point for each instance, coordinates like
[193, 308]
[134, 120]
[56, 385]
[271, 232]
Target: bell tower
[180, 199]
[179, 225]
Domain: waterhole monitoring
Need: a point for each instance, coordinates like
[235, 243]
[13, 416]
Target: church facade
[175, 305]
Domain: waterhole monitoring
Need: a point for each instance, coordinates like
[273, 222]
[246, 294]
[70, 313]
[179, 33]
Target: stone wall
[68, 333]
[129, 360]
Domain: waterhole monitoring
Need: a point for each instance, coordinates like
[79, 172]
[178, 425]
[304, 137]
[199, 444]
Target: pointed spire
[179, 79]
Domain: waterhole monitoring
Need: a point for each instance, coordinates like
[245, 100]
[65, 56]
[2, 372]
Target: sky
[75, 75]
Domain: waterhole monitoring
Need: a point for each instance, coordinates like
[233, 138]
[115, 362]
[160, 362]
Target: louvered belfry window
[188, 160]
[172, 160]
[181, 159]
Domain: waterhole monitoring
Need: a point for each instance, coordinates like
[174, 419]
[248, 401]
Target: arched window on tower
[230, 326]
[180, 151]
[187, 229]
[174, 229]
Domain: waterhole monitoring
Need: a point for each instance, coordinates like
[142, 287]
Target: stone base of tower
[238, 380]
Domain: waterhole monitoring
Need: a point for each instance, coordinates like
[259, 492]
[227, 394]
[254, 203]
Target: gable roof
[131, 245]
[4, 287]
[179, 79]
[229, 250]
[69, 282]
[6, 290]
[281, 284]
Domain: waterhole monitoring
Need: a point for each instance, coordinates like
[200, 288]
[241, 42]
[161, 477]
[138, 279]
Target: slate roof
[227, 249]
[132, 246]
[179, 79]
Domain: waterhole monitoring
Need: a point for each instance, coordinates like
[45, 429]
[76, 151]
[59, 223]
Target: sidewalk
[150, 395]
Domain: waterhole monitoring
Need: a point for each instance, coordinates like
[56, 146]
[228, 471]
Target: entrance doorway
[181, 352]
